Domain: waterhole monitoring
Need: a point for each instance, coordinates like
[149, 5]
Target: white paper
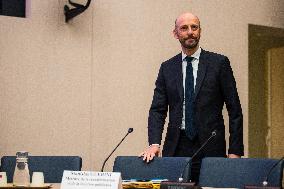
[90, 180]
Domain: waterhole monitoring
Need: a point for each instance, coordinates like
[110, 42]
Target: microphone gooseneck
[265, 182]
[213, 134]
[130, 130]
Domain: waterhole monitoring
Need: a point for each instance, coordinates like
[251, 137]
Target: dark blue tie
[190, 130]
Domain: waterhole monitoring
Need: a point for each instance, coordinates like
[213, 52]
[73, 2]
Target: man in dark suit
[193, 86]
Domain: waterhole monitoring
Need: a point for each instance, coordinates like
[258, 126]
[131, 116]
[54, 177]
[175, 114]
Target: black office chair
[133, 167]
[51, 166]
[236, 173]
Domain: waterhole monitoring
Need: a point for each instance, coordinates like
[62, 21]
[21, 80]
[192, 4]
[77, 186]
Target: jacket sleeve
[229, 91]
[158, 110]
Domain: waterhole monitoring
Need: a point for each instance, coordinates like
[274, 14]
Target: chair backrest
[133, 167]
[236, 173]
[51, 166]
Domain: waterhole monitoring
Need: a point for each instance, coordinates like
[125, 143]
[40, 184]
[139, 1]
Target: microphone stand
[185, 185]
[213, 134]
[265, 182]
[130, 130]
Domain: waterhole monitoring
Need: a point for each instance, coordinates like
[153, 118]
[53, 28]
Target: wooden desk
[46, 186]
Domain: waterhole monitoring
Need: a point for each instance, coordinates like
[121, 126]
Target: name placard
[90, 180]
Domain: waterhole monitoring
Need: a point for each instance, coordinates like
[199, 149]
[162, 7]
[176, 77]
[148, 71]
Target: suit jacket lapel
[178, 72]
[202, 67]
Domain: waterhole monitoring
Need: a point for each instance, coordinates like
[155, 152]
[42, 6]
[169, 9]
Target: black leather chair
[236, 173]
[51, 166]
[133, 167]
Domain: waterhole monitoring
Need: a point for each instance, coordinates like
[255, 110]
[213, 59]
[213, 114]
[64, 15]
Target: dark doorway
[265, 67]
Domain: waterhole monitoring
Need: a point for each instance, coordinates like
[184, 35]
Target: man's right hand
[150, 152]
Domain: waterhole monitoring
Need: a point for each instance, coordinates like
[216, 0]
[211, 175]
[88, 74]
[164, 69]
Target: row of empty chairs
[215, 172]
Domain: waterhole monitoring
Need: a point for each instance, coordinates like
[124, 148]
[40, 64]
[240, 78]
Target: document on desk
[136, 183]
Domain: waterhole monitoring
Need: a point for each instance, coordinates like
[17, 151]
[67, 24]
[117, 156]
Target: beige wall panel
[140, 31]
[45, 82]
[76, 88]
[131, 39]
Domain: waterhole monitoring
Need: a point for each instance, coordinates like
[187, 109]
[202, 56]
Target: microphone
[213, 134]
[265, 182]
[130, 130]
[185, 185]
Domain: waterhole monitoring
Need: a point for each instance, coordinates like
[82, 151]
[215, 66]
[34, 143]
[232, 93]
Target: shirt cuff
[158, 145]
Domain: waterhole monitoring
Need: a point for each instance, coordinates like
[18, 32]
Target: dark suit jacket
[215, 84]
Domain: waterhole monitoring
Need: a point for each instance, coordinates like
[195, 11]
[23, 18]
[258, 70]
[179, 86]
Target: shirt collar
[196, 55]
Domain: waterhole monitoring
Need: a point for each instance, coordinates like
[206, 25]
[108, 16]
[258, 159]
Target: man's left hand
[233, 156]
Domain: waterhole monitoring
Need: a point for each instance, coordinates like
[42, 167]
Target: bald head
[186, 16]
[187, 30]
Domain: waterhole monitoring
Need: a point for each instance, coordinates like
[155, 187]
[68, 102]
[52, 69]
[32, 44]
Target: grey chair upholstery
[236, 173]
[51, 166]
[133, 167]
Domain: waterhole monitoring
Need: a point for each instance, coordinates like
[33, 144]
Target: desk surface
[57, 186]
[46, 186]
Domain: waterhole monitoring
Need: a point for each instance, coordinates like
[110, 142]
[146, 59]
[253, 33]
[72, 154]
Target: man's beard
[191, 45]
